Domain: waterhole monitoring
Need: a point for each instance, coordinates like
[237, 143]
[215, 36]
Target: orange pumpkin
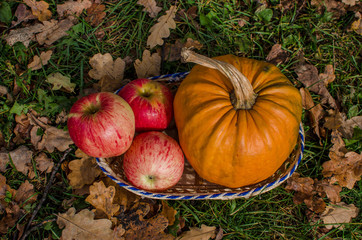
[237, 123]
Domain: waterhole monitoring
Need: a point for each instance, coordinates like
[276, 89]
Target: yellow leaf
[59, 81]
[39, 9]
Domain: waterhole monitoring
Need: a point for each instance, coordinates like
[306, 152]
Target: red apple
[101, 124]
[154, 161]
[151, 102]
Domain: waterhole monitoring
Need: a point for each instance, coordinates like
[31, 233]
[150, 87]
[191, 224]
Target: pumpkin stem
[243, 90]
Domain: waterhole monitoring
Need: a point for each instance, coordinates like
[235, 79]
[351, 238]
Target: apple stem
[243, 96]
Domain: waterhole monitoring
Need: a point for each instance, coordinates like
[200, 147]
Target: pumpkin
[237, 118]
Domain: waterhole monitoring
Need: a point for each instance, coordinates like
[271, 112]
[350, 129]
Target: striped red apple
[151, 102]
[154, 161]
[101, 124]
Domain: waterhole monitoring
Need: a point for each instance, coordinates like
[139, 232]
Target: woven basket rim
[253, 190]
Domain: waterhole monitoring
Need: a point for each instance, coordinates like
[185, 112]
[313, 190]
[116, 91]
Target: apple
[154, 161]
[151, 102]
[101, 124]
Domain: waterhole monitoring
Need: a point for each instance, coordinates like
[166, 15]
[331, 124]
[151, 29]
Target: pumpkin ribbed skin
[230, 147]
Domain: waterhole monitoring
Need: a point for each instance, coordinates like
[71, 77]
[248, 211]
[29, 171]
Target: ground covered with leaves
[54, 52]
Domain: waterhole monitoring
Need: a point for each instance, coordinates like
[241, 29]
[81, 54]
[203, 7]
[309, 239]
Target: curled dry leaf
[336, 215]
[39, 9]
[39, 62]
[150, 7]
[203, 233]
[60, 82]
[82, 226]
[334, 120]
[149, 66]
[316, 112]
[308, 75]
[5, 188]
[162, 29]
[277, 55]
[109, 72]
[73, 7]
[324, 188]
[83, 171]
[328, 76]
[101, 197]
[22, 129]
[22, 14]
[5, 91]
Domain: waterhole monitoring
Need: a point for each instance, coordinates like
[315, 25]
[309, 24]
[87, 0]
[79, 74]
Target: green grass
[322, 38]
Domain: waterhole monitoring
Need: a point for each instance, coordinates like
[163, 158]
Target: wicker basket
[191, 186]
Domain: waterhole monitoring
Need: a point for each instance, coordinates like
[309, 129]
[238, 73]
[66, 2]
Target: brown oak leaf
[25, 194]
[39, 62]
[11, 216]
[150, 7]
[336, 215]
[24, 35]
[53, 31]
[139, 228]
[169, 212]
[101, 197]
[328, 76]
[21, 158]
[73, 7]
[22, 14]
[95, 14]
[277, 55]
[43, 163]
[83, 171]
[4, 160]
[149, 66]
[325, 188]
[308, 75]
[109, 72]
[347, 127]
[162, 29]
[22, 129]
[334, 120]
[5, 188]
[39, 9]
[82, 226]
[202, 233]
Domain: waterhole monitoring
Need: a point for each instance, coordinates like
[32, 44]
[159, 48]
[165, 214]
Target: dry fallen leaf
[328, 76]
[316, 112]
[22, 14]
[73, 7]
[172, 52]
[334, 120]
[349, 2]
[59, 81]
[324, 188]
[336, 7]
[24, 35]
[101, 197]
[357, 24]
[25, 194]
[169, 212]
[308, 75]
[4, 160]
[11, 216]
[43, 163]
[150, 7]
[162, 29]
[203, 233]
[22, 129]
[277, 55]
[21, 158]
[39, 62]
[53, 30]
[109, 72]
[82, 226]
[39, 9]
[5, 188]
[95, 14]
[139, 228]
[83, 171]
[338, 214]
[149, 66]
[347, 127]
